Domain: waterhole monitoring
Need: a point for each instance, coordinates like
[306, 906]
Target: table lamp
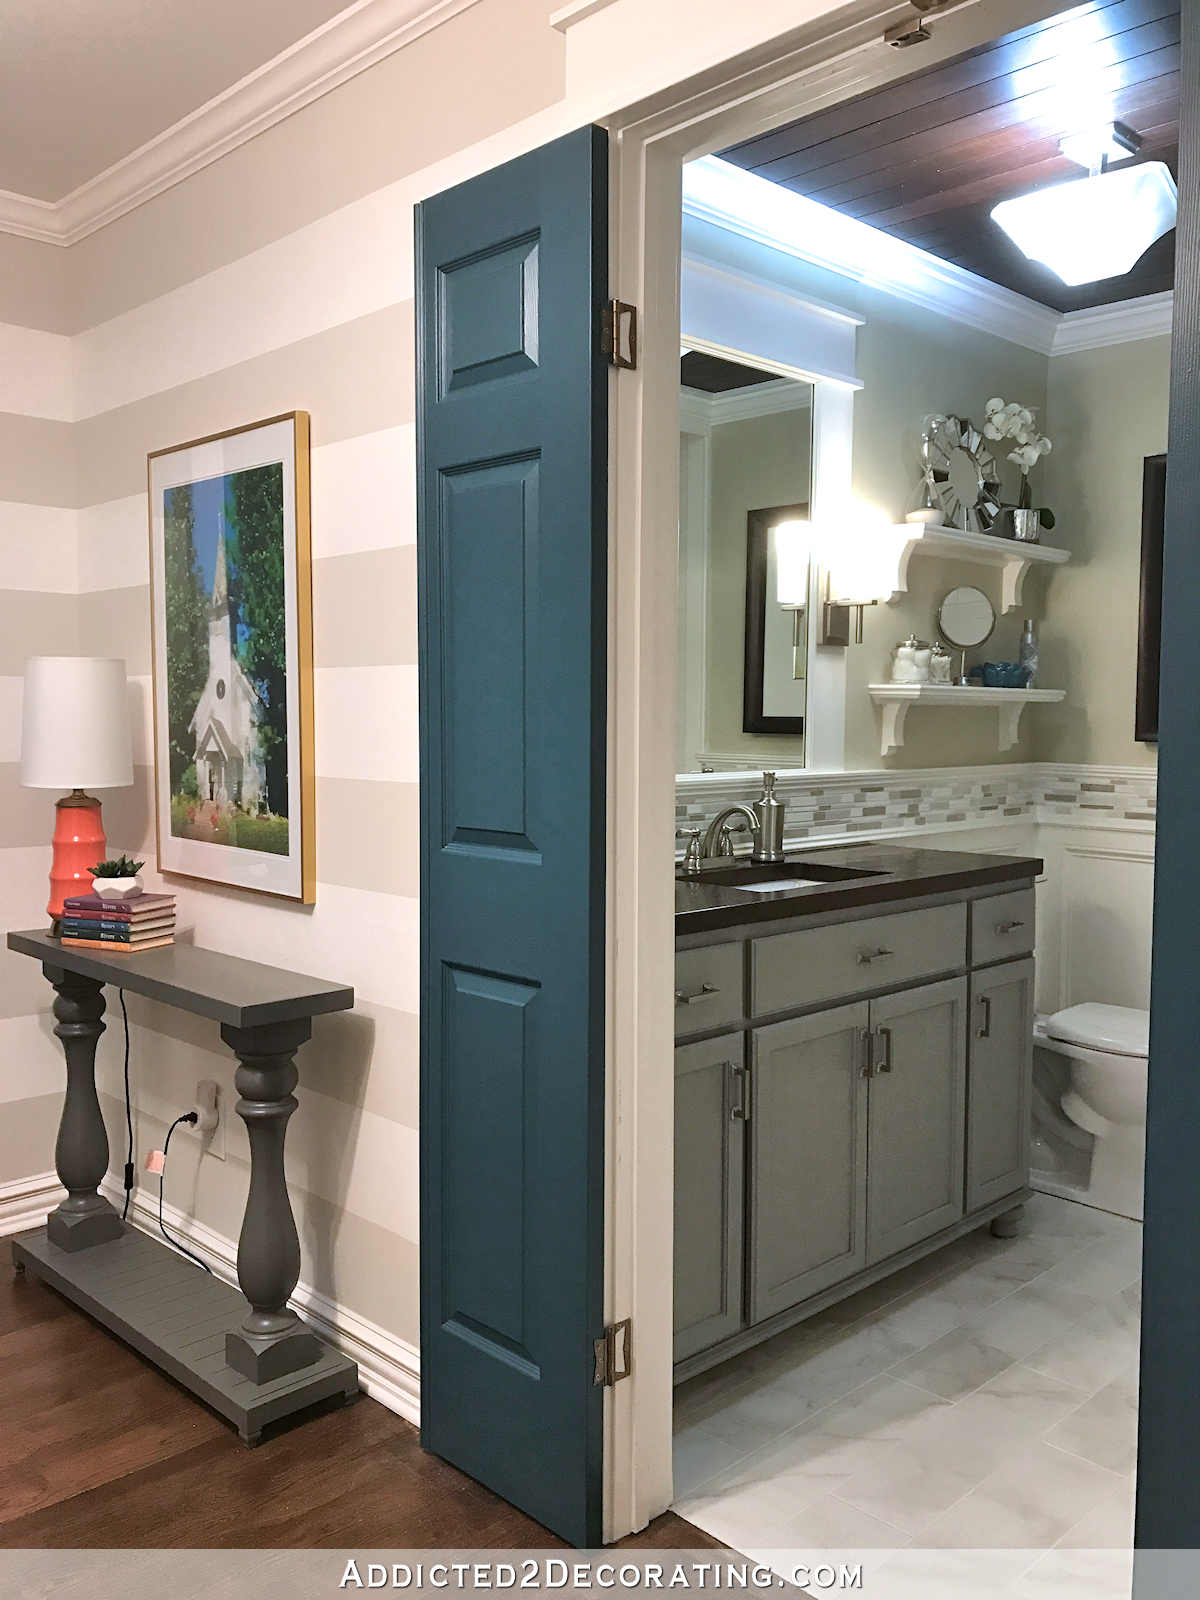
[74, 734]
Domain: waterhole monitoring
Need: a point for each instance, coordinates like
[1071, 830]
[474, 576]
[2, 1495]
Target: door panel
[916, 1125]
[808, 1141]
[999, 1082]
[710, 1145]
[512, 534]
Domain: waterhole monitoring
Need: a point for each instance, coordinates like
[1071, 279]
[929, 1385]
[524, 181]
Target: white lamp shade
[862, 553]
[1093, 228]
[75, 731]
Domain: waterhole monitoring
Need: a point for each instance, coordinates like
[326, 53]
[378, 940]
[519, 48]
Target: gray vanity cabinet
[711, 1103]
[915, 1128]
[808, 1163]
[999, 1079]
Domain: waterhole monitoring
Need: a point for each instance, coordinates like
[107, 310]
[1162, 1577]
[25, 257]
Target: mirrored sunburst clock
[961, 472]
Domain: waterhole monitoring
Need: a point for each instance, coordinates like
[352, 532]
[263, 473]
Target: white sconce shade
[1096, 227]
[793, 553]
[862, 559]
[75, 731]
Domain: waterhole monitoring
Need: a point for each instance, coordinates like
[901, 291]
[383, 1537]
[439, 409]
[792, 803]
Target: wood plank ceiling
[927, 157]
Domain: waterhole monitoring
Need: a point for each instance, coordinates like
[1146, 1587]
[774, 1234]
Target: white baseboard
[25, 1202]
[389, 1368]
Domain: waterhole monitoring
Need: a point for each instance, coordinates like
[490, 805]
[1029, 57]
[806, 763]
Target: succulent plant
[120, 867]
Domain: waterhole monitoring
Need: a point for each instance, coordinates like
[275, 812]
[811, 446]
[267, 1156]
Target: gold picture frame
[232, 658]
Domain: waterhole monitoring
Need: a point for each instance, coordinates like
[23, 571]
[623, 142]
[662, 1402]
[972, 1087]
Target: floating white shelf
[1013, 558]
[1008, 704]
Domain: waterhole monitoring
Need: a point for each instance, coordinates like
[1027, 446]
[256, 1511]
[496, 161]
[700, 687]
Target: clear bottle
[1028, 654]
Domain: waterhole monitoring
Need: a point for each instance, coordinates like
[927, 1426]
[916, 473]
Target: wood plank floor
[99, 1450]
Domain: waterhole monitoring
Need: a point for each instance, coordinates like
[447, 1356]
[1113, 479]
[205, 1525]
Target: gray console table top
[245, 994]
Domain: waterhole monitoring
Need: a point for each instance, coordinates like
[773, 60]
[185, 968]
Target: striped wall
[281, 278]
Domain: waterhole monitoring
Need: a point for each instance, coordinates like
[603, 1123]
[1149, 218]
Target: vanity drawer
[708, 988]
[1002, 926]
[790, 970]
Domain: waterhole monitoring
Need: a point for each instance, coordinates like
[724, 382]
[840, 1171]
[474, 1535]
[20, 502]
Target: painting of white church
[231, 587]
[230, 769]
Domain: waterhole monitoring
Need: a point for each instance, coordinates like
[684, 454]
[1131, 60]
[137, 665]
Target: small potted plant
[1016, 422]
[117, 879]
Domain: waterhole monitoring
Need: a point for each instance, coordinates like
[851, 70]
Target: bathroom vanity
[853, 1069]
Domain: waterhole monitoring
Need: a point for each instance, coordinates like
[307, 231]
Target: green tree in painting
[254, 514]
[186, 626]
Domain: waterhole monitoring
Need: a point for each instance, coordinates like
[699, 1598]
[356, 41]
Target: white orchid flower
[992, 407]
[991, 431]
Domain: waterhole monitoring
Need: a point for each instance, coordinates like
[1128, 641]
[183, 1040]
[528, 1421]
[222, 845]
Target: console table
[248, 1355]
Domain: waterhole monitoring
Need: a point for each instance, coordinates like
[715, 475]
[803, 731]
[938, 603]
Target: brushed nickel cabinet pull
[985, 1027]
[740, 1110]
[885, 1039]
[1009, 927]
[685, 997]
[865, 957]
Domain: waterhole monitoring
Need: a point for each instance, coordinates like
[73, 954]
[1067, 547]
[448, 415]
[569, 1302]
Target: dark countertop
[245, 994]
[905, 873]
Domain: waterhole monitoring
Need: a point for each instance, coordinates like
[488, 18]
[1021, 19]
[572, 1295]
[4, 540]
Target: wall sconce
[793, 560]
[861, 550]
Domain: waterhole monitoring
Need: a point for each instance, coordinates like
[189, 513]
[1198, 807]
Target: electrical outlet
[209, 1126]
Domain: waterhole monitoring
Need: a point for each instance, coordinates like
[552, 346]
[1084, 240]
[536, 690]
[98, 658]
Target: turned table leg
[272, 1341]
[81, 1155]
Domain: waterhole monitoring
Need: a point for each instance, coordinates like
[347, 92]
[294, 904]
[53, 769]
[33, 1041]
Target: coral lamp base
[79, 843]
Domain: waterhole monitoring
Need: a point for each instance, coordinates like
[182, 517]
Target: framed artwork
[774, 698]
[1154, 505]
[231, 611]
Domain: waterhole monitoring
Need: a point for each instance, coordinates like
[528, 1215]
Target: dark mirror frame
[758, 527]
[1154, 502]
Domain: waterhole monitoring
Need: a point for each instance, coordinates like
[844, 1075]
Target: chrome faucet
[711, 850]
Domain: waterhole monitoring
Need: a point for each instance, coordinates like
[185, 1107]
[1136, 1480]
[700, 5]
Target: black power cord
[188, 1116]
[129, 1167]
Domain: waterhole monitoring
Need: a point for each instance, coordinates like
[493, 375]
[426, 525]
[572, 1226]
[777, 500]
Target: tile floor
[984, 1399]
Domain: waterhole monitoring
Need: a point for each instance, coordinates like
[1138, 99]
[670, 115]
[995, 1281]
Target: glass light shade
[75, 731]
[1093, 228]
[861, 556]
[793, 552]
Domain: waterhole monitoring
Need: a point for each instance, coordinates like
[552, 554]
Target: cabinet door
[710, 1141]
[999, 1083]
[808, 1144]
[917, 1117]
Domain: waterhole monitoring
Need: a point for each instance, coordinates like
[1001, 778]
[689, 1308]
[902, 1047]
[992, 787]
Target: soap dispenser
[769, 812]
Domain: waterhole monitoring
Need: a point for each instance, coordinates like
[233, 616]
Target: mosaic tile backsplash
[845, 805]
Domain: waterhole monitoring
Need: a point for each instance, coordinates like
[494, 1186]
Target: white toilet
[1105, 1050]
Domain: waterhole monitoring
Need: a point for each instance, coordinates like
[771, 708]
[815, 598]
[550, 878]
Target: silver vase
[1027, 525]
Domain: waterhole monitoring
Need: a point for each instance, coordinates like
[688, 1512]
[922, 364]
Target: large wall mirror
[745, 480]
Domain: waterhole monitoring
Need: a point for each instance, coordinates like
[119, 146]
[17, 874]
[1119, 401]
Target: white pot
[117, 888]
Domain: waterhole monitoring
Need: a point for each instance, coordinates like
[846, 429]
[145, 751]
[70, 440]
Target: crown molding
[576, 11]
[766, 213]
[365, 33]
[703, 412]
[1148, 317]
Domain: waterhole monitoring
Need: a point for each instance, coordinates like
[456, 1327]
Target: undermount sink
[771, 877]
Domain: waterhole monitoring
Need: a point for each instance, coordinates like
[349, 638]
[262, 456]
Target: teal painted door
[512, 537]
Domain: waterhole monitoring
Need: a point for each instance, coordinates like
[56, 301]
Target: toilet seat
[1109, 1030]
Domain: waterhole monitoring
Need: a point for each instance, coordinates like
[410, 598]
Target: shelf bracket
[1012, 581]
[1009, 720]
[894, 713]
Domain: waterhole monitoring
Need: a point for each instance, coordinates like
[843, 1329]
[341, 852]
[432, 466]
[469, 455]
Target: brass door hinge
[614, 1353]
[619, 333]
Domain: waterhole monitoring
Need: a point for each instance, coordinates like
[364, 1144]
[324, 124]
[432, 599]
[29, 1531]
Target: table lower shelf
[177, 1317]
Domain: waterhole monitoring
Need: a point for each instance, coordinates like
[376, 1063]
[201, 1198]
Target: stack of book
[142, 922]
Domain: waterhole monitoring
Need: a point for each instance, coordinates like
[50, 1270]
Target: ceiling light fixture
[1099, 226]
[1093, 228]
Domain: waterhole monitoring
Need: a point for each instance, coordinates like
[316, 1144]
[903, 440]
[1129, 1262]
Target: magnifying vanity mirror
[966, 619]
